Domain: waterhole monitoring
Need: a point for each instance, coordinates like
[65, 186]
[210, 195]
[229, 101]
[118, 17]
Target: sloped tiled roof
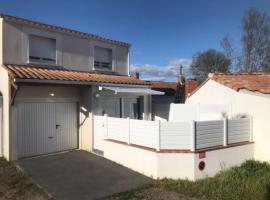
[164, 85]
[61, 74]
[59, 29]
[170, 87]
[190, 86]
[255, 81]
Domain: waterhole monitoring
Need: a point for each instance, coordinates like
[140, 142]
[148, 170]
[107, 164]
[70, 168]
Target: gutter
[18, 80]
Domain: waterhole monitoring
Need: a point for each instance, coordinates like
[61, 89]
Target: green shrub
[250, 181]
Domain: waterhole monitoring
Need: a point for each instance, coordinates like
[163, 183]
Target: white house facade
[52, 81]
[245, 94]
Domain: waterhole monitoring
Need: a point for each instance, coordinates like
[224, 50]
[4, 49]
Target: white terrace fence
[172, 135]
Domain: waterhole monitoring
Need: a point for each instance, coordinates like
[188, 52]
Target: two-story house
[53, 80]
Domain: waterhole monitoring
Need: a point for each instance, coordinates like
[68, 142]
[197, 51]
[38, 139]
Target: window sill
[41, 63]
[103, 69]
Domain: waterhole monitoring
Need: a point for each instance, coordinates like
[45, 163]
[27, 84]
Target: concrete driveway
[81, 175]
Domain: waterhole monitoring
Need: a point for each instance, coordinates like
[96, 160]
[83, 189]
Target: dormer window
[42, 50]
[102, 58]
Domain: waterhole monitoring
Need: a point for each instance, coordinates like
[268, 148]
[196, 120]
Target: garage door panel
[35, 129]
[66, 126]
[37, 132]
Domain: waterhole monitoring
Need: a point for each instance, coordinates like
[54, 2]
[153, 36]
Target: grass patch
[15, 184]
[249, 181]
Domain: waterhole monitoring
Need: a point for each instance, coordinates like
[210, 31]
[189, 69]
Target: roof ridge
[211, 75]
[60, 28]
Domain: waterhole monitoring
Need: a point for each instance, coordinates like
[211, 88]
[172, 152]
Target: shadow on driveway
[81, 175]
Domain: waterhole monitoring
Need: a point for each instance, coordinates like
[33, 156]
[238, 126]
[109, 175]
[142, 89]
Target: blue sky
[163, 34]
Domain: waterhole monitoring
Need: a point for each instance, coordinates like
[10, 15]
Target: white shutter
[42, 47]
[103, 55]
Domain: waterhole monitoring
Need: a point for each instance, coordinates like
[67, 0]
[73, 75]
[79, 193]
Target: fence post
[106, 126]
[158, 136]
[251, 129]
[225, 131]
[193, 136]
[128, 136]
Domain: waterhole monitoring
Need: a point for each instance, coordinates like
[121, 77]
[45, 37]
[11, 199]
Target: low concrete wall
[140, 160]
[217, 160]
[176, 164]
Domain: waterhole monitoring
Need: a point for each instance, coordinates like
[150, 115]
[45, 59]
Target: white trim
[41, 33]
[110, 47]
[133, 90]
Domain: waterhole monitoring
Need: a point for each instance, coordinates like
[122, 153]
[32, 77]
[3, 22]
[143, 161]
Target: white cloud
[168, 72]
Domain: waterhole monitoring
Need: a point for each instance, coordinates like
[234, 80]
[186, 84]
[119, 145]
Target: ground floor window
[122, 107]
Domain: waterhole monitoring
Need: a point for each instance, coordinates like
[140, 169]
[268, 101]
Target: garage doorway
[45, 128]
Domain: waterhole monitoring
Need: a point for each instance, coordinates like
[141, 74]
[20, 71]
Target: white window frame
[41, 33]
[28, 50]
[112, 48]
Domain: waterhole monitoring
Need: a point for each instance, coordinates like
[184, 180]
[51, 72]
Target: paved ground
[81, 175]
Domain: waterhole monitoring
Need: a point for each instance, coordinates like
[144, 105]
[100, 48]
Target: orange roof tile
[60, 74]
[255, 81]
[163, 85]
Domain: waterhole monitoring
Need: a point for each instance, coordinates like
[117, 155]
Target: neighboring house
[247, 94]
[161, 103]
[52, 81]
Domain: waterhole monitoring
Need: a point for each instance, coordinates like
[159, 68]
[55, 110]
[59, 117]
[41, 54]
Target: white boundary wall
[176, 165]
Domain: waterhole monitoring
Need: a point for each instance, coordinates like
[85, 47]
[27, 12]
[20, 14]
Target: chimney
[181, 77]
[136, 74]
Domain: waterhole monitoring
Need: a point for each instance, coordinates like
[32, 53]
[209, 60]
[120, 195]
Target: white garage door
[46, 128]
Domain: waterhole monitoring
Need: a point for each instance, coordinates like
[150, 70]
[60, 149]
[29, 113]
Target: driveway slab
[81, 175]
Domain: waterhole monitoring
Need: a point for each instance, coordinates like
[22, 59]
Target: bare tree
[256, 41]
[207, 62]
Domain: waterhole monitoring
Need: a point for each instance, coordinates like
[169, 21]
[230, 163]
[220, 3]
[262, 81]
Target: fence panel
[144, 133]
[175, 135]
[118, 129]
[209, 133]
[238, 130]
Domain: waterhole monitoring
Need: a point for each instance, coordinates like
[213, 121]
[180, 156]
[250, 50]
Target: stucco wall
[86, 120]
[242, 102]
[1, 40]
[72, 52]
[222, 159]
[5, 92]
[175, 165]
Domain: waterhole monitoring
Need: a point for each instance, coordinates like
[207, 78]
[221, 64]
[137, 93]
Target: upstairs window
[42, 49]
[103, 58]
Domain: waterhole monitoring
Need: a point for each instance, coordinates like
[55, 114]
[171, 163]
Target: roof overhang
[131, 90]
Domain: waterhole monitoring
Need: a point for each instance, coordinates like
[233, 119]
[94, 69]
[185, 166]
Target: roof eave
[69, 82]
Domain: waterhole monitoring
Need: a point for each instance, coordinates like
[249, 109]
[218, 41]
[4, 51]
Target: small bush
[250, 181]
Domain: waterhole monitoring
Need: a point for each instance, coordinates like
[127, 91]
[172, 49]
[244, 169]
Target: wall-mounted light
[97, 95]
[52, 94]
